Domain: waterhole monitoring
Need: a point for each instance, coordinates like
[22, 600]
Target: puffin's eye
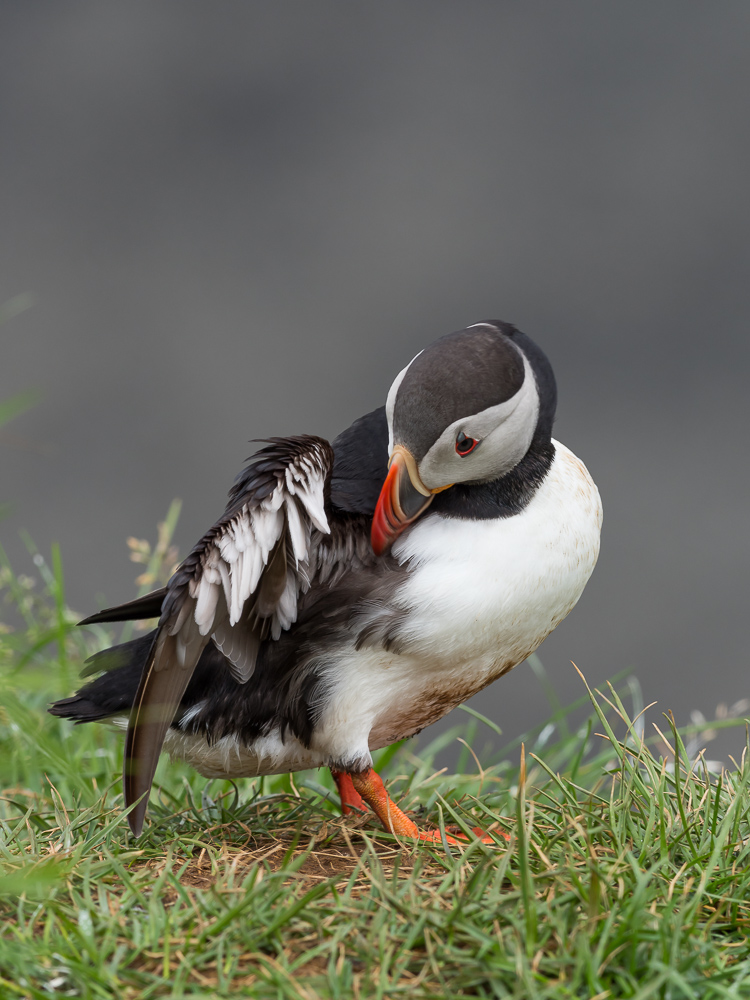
[464, 444]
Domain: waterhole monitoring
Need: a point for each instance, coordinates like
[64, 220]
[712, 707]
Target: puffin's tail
[114, 692]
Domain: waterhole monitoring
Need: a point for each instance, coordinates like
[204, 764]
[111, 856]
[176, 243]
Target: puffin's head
[465, 410]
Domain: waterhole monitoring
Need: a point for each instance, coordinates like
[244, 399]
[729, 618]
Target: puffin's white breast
[480, 586]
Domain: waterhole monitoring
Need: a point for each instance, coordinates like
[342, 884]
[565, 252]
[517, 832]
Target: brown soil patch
[336, 853]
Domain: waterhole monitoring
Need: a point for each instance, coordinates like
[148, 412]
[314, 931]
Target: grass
[627, 874]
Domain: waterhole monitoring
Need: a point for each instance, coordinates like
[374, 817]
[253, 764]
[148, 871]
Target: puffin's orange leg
[351, 800]
[370, 786]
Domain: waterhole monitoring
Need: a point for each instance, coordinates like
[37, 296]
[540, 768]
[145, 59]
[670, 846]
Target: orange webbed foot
[486, 838]
[369, 786]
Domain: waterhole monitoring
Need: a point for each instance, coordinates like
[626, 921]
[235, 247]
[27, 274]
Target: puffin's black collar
[501, 497]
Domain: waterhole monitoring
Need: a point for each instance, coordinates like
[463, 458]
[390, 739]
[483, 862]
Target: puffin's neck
[501, 497]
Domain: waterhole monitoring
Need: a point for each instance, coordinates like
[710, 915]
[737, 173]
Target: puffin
[354, 592]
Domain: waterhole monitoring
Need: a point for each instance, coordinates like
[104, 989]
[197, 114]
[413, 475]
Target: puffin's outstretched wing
[238, 586]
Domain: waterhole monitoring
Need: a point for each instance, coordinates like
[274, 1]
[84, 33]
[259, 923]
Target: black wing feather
[360, 464]
[148, 606]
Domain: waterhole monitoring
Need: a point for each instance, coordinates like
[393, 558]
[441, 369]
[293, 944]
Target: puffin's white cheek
[440, 470]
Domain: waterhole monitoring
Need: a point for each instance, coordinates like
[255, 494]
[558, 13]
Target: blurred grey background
[242, 219]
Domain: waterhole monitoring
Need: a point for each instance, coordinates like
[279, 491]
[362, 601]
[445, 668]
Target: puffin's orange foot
[370, 787]
[485, 837]
[351, 800]
[454, 838]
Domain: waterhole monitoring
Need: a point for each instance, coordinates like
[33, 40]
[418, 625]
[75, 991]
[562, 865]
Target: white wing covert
[251, 572]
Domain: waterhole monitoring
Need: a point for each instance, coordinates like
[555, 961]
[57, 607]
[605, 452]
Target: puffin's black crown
[467, 372]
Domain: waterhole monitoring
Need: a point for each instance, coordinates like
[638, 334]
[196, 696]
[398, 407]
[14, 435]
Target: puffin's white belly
[480, 597]
[230, 758]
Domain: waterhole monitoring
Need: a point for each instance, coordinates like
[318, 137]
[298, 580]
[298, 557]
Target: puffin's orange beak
[402, 499]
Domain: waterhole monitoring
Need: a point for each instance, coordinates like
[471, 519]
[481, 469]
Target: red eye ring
[465, 445]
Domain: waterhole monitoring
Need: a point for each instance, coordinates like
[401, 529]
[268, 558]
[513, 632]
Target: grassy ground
[627, 874]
